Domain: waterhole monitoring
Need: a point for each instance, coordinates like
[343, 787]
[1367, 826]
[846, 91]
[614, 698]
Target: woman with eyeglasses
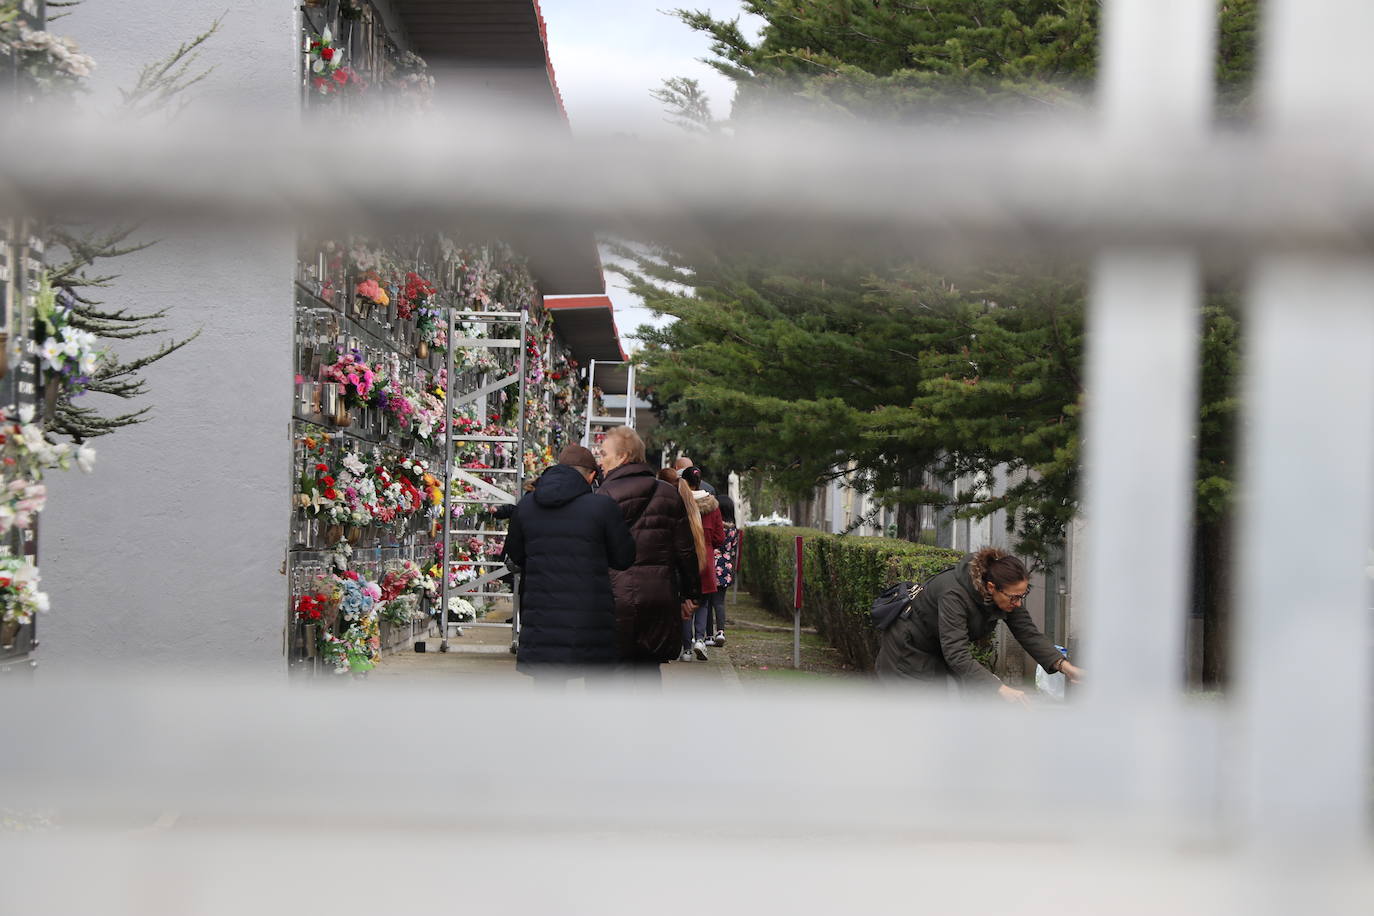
[931, 641]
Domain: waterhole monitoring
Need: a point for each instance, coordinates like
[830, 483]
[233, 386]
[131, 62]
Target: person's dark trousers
[715, 613]
[699, 618]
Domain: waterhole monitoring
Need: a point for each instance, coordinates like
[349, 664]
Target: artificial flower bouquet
[358, 597]
[414, 86]
[400, 578]
[328, 73]
[317, 490]
[355, 498]
[466, 422]
[432, 329]
[476, 359]
[20, 598]
[67, 354]
[25, 454]
[354, 376]
[354, 651]
[398, 402]
[460, 610]
[429, 417]
[372, 290]
[415, 295]
[400, 610]
[312, 608]
[397, 497]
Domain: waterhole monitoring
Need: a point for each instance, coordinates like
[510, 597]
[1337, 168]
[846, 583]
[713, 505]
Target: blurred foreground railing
[1130, 801]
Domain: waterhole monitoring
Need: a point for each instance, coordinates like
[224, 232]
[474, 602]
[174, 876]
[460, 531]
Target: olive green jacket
[949, 613]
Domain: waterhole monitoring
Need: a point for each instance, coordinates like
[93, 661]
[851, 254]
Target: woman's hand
[1075, 675]
[689, 608]
[1014, 696]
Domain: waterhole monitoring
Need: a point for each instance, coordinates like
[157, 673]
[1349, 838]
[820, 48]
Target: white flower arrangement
[20, 598]
[353, 464]
[460, 610]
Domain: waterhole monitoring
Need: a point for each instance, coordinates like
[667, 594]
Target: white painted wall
[167, 557]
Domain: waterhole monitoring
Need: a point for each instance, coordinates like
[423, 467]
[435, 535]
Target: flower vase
[310, 638]
[4, 353]
[353, 534]
[9, 632]
[333, 534]
[422, 350]
[341, 417]
[50, 392]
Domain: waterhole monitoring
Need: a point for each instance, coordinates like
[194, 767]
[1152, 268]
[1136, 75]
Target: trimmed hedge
[843, 574]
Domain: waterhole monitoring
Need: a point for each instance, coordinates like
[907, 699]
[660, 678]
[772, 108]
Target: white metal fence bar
[1038, 183]
[1142, 374]
[1304, 666]
[1303, 610]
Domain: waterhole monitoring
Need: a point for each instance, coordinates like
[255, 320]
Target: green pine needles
[904, 376]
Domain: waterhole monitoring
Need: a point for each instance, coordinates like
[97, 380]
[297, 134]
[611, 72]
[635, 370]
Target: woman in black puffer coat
[649, 595]
[566, 539]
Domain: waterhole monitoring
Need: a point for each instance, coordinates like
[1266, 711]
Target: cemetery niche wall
[47, 351]
[430, 385]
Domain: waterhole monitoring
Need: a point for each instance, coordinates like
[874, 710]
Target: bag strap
[630, 523]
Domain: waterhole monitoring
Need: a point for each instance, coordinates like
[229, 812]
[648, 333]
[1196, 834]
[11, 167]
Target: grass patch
[760, 655]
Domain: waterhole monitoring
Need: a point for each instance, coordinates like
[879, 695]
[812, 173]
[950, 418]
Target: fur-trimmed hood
[706, 503]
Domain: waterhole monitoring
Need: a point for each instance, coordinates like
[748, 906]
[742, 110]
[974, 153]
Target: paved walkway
[483, 653]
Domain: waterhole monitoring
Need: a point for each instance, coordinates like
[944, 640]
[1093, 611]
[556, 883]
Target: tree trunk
[1214, 555]
[909, 515]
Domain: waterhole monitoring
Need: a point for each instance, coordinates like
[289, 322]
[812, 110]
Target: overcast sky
[608, 55]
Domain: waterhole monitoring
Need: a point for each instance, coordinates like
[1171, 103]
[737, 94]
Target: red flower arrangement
[417, 293]
[412, 493]
[310, 608]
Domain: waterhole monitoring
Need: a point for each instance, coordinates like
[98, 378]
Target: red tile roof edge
[554, 303]
[548, 62]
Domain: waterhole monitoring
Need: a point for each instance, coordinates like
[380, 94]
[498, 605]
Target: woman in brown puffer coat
[649, 596]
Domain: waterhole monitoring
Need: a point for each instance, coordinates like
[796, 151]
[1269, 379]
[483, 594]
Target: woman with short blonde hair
[650, 595]
[625, 442]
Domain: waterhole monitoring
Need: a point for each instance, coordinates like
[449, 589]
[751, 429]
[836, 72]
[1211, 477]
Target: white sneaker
[719, 639]
[686, 655]
[699, 649]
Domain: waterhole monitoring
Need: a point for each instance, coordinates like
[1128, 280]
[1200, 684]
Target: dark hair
[727, 508]
[995, 567]
[693, 477]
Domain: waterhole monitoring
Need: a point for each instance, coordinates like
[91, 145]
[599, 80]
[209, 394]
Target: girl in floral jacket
[727, 556]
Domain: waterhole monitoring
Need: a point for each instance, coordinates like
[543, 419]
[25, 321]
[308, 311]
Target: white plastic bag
[1051, 685]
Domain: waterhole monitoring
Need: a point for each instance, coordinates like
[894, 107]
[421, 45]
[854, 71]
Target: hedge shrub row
[843, 574]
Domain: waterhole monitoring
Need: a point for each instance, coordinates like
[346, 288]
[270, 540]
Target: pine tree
[806, 370]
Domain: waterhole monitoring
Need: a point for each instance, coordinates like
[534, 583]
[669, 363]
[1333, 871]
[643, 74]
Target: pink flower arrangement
[372, 291]
[356, 376]
[399, 404]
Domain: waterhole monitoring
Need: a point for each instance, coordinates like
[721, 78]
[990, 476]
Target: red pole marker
[796, 608]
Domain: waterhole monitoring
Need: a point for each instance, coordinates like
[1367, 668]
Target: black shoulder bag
[889, 605]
